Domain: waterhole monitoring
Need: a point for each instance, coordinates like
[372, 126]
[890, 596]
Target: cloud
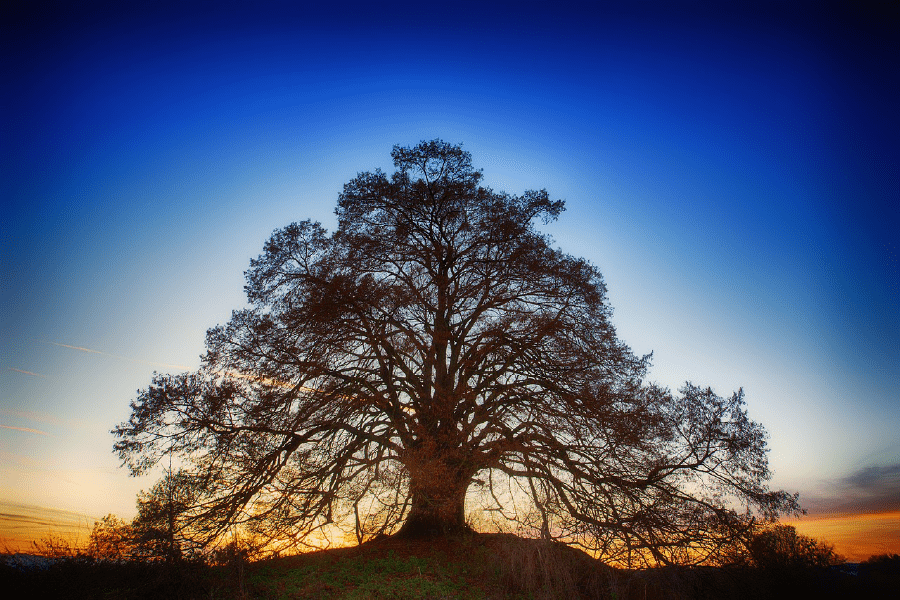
[79, 348]
[875, 477]
[45, 418]
[870, 489]
[20, 524]
[38, 515]
[876, 488]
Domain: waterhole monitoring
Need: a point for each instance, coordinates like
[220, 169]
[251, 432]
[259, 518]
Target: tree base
[417, 528]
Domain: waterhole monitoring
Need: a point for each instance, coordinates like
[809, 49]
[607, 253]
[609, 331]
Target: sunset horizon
[856, 538]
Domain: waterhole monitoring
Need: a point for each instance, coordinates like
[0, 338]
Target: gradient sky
[734, 174]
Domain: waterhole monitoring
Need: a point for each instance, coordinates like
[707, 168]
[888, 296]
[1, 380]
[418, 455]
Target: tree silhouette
[162, 528]
[111, 539]
[781, 547]
[437, 346]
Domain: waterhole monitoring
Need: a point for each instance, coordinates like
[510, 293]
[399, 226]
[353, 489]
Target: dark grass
[466, 567]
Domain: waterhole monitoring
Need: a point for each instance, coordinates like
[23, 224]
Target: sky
[732, 172]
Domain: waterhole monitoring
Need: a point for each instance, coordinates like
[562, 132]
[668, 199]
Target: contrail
[267, 381]
[136, 360]
[26, 429]
[28, 373]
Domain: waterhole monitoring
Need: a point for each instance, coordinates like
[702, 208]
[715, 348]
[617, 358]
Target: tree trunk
[438, 496]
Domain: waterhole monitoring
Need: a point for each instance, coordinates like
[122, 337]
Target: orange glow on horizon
[21, 525]
[854, 536]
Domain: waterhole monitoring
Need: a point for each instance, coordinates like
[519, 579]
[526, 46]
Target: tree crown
[437, 349]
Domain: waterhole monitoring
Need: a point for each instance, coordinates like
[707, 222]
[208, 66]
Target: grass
[365, 578]
[459, 568]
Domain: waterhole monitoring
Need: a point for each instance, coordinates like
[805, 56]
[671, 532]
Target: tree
[162, 528]
[437, 346]
[111, 539]
[781, 547]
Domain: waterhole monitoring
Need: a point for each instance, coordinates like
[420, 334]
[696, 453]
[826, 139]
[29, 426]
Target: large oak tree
[437, 347]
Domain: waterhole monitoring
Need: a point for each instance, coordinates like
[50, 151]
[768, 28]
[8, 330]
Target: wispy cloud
[25, 429]
[20, 524]
[876, 487]
[46, 418]
[874, 477]
[28, 373]
[135, 360]
[870, 489]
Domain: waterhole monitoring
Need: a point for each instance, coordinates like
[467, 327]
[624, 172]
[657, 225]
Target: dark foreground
[480, 566]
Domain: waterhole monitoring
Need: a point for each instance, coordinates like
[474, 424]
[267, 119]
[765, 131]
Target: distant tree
[437, 346]
[162, 528]
[884, 560]
[779, 546]
[111, 539]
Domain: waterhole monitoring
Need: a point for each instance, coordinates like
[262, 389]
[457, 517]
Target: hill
[475, 566]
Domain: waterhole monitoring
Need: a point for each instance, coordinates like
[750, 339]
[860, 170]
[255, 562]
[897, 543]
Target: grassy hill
[468, 567]
[478, 566]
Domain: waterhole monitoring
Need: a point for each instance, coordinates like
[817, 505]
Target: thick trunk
[430, 517]
[438, 496]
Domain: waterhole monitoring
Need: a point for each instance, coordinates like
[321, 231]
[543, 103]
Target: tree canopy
[435, 352]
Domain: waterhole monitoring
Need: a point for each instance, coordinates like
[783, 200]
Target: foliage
[54, 546]
[161, 528]
[780, 546]
[437, 349]
[80, 577]
[111, 539]
[878, 560]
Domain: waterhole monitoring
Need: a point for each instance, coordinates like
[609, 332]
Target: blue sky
[734, 174]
